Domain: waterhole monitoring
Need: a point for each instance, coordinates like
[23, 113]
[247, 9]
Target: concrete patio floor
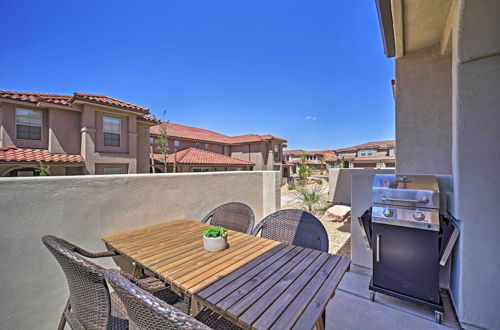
[351, 308]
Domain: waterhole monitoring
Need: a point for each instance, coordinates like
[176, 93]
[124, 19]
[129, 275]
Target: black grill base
[437, 307]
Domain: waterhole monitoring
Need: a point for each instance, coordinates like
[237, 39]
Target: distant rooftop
[200, 134]
[70, 99]
[195, 156]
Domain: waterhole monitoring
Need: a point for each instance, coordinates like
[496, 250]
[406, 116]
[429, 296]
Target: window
[207, 146]
[226, 150]
[28, 124]
[151, 140]
[365, 152]
[112, 171]
[200, 169]
[177, 143]
[112, 129]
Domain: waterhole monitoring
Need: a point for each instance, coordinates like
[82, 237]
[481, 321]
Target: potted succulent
[215, 239]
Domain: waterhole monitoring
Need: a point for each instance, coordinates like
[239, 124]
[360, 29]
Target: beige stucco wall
[85, 208]
[476, 155]
[143, 150]
[64, 131]
[423, 112]
[340, 182]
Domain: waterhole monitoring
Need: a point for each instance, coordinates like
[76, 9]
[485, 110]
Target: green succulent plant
[216, 231]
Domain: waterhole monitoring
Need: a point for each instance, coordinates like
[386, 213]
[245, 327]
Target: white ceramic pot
[214, 244]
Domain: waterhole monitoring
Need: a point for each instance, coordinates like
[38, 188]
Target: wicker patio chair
[90, 304]
[235, 216]
[147, 312]
[294, 227]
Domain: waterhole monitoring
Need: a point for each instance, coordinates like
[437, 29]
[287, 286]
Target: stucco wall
[143, 161]
[476, 155]
[340, 182]
[64, 131]
[85, 208]
[423, 113]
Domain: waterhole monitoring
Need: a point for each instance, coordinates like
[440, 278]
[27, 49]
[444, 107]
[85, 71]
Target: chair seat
[215, 320]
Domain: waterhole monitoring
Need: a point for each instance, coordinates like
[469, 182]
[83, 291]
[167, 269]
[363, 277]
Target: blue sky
[312, 72]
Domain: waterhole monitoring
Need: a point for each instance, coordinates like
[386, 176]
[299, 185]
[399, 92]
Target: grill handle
[378, 248]
[386, 199]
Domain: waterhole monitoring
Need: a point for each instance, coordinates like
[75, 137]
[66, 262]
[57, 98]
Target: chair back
[88, 293]
[235, 216]
[295, 227]
[147, 311]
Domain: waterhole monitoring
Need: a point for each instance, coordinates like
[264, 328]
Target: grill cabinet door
[405, 261]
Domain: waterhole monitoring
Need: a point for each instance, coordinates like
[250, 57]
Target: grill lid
[406, 190]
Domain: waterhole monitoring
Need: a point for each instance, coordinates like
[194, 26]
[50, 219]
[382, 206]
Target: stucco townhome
[73, 134]
[376, 154]
[194, 149]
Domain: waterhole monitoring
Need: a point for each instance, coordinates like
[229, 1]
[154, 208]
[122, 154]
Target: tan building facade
[73, 134]
[244, 152]
[377, 154]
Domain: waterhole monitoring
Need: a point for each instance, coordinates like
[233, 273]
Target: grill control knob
[419, 216]
[388, 213]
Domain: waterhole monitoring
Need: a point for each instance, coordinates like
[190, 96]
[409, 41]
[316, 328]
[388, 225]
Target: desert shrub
[309, 197]
[291, 185]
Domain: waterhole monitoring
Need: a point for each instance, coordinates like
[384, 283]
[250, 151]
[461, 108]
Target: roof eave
[384, 12]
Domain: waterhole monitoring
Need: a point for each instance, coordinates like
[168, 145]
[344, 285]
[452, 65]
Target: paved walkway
[351, 308]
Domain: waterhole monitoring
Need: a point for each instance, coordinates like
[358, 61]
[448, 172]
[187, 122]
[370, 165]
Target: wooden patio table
[256, 283]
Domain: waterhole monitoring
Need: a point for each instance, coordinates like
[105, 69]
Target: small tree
[161, 139]
[309, 197]
[44, 169]
[342, 162]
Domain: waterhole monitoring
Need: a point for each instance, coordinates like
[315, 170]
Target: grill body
[403, 231]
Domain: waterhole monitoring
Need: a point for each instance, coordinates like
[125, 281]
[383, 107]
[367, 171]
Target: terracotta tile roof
[200, 134]
[68, 99]
[14, 154]
[103, 99]
[375, 144]
[301, 152]
[202, 157]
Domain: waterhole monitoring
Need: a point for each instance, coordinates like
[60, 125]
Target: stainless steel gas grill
[406, 234]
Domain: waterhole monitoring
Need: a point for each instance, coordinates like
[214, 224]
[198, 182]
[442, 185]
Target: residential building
[73, 134]
[313, 159]
[377, 154]
[198, 149]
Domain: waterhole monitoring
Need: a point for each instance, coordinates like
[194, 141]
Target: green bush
[309, 197]
[216, 231]
[291, 185]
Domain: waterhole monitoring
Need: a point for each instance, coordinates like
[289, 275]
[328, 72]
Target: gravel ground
[339, 233]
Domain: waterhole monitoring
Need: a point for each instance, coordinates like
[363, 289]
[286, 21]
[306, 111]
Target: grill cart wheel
[438, 316]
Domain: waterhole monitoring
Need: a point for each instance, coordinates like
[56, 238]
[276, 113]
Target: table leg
[320, 325]
[136, 272]
[194, 307]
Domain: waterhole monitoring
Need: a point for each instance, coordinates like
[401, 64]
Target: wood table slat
[233, 281]
[268, 280]
[292, 292]
[213, 262]
[134, 232]
[263, 303]
[295, 308]
[229, 269]
[177, 265]
[318, 303]
[223, 305]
